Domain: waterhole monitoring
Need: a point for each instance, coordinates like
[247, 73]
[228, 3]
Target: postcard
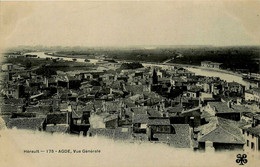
[130, 83]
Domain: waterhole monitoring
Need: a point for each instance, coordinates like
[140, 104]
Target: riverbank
[219, 70]
[229, 76]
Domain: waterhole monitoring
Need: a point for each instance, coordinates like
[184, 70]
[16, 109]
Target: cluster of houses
[169, 105]
[210, 64]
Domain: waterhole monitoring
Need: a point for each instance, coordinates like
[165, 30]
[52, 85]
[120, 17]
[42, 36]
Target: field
[233, 58]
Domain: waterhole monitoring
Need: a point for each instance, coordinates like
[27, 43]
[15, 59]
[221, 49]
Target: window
[243, 131]
[252, 145]
[247, 133]
[253, 135]
[247, 143]
[168, 129]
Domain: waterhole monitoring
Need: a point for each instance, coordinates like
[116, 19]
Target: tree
[133, 65]
[45, 71]
[28, 64]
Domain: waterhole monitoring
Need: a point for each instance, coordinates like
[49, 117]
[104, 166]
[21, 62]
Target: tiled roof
[102, 132]
[140, 136]
[154, 113]
[129, 102]
[57, 118]
[41, 109]
[135, 89]
[221, 130]
[233, 84]
[256, 90]
[253, 130]
[194, 89]
[123, 133]
[143, 118]
[112, 106]
[14, 101]
[175, 109]
[119, 133]
[158, 121]
[77, 114]
[181, 139]
[9, 108]
[194, 111]
[97, 104]
[111, 117]
[178, 79]
[5, 118]
[139, 110]
[26, 123]
[222, 107]
[60, 128]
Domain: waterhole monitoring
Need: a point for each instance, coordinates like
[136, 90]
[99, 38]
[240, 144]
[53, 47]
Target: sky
[130, 23]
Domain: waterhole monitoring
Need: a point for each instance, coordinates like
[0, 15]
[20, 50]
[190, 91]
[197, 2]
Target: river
[43, 55]
[222, 75]
[198, 71]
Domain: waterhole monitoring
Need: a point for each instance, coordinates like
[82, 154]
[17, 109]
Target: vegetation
[233, 58]
[48, 64]
[133, 65]
[45, 71]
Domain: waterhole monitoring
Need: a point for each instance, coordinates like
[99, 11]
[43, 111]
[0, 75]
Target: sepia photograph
[130, 83]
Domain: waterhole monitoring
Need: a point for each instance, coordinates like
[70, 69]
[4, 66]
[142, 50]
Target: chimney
[229, 104]
[149, 133]
[46, 81]
[253, 122]
[192, 121]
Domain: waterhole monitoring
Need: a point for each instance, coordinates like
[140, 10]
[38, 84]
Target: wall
[249, 138]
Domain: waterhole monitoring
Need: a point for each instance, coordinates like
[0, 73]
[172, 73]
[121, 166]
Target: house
[8, 109]
[39, 110]
[158, 125]
[226, 110]
[193, 92]
[59, 122]
[207, 97]
[212, 85]
[234, 88]
[139, 123]
[109, 133]
[252, 95]
[123, 133]
[74, 83]
[27, 123]
[182, 72]
[7, 67]
[192, 116]
[111, 121]
[249, 95]
[180, 138]
[58, 118]
[175, 111]
[209, 64]
[219, 134]
[62, 81]
[15, 91]
[178, 81]
[59, 128]
[119, 133]
[34, 82]
[251, 134]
